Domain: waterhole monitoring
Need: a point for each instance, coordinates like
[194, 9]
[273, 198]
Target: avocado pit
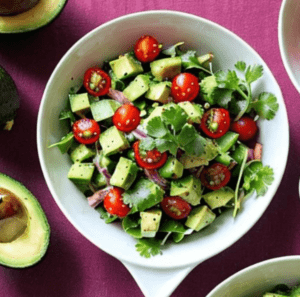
[12, 7]
[13, 217]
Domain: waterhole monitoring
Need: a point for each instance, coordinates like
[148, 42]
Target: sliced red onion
[118, 96]
[139, 134]
[153, 175]
[257, 151]
[98, 197]
[250, 155]
[102, 170]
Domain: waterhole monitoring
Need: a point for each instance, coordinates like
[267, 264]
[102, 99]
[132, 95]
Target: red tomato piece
[149, 159]
[86, 131]
[146, 49]
[215, 122]
[96, 81]
[215, 176]
[126, 118]
[176, 207]
[113, 203]
[185, 87]
[246, 127]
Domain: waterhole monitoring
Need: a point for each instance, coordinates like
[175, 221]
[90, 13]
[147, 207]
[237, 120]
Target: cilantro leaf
[186, 135]
[266, 105]
[257, 177]
[196, 146]
[227, 80]
[142, 195]
[107, 217]
[175, 116]
[148, 247]
[253, 73]
[240, 65]
[190, 60]
[173, 50]
[67, 114]
[147, 144]
[156, 128]
[222, 96]
[164, 145]
[131, 225]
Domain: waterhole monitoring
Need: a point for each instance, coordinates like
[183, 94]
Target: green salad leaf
[257, 177]
[266, 105]
[107, 217]
[148, 247]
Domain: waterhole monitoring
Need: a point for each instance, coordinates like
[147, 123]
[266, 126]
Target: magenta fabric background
[75, 267]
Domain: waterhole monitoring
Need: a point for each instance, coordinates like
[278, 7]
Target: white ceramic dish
[289, 39]
[257, 279]
[106, 42]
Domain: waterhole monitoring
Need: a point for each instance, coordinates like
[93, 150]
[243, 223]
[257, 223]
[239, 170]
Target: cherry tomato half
[86, 131]
[215, 176]
[146, 49]
[185, 87]
[113, 203]
[246, 127]
[96, 81]
[215, 122]
[149, 159]
[126, 118]
[175, 207]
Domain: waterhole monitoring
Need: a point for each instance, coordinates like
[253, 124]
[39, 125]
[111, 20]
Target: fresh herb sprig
[171, 132]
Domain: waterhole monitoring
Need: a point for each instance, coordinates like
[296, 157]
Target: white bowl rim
[282, 50]
[278, 260]
[135, 260]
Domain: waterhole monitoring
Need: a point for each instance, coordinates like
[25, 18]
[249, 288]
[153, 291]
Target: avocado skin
[9, 98]
[24, 30]
[6, 182]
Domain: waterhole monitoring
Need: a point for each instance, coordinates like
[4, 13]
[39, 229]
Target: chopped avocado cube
[188, 188]
[79, 102]
[81, 153]
[227, 141]
[136, 88]
[104, 109]
[194, 111]
[219, 197]
[171, 169]
[65, 143]
[210, 152]
[124, 174]
[81, 173]
[166, 68]
[159, 92]
[113, 141]
[126, 66]
[200, 217]
[150, 222]
[99, 180]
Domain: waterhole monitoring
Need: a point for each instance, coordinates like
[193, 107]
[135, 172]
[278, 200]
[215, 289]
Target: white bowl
[257, 279]
[106, 42]
[289, 39]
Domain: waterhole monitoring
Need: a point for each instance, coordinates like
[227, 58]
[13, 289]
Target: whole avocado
[9, 100]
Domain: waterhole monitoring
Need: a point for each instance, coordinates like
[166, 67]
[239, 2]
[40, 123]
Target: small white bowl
[106, 42]
[289, 39]
[257, 279]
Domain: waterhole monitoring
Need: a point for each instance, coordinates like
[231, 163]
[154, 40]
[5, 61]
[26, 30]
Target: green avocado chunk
[171, 169]
[138, 87]
[81, 173]
[159, 92]
[124, 174]
[104, 109]
[200, 217]
[79, 103]
[219, 197]
[9, 100]
[166, 68]
[29, 245]
[150, 222]
[126, 66]
[43, 13]
[188, 188]
[81, 153]
[194, 111]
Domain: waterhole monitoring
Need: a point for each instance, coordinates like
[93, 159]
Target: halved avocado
[38, 16]
[24, 228]
[9, 100]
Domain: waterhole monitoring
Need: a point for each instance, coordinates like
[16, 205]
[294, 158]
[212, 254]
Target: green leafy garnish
[257, 177]
[107, 217]
[173, 50]
[171, 132]
[266, 105]
[148, 247]
[131, 225]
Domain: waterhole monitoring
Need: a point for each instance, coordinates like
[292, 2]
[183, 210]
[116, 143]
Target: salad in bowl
[162, 143]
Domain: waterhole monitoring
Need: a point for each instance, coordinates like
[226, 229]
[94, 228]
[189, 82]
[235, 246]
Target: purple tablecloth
[75, 267]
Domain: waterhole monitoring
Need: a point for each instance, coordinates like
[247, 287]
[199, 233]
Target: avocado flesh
[38, 16]
[30, 244]
[8, 7]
